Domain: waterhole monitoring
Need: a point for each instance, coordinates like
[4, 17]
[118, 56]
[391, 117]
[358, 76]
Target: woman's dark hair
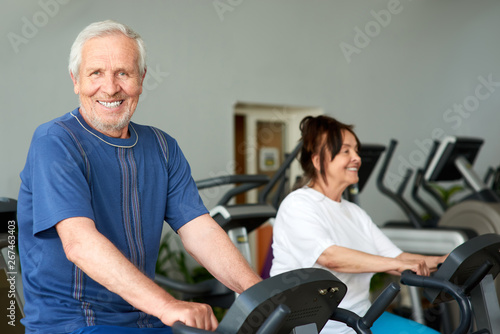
[319, 134]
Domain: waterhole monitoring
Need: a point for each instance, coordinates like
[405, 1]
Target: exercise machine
[453, 161]
[492, 178]
[299, 301]
[466, 276]
[416, 235]
[426, 237]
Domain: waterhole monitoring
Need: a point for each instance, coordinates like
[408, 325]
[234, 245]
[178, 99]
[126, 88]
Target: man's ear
[76, 86]
[142, 79]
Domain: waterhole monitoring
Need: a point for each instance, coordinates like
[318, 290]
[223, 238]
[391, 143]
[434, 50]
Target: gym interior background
[409, 70]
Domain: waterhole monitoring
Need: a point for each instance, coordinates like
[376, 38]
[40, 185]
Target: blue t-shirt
[128, 187]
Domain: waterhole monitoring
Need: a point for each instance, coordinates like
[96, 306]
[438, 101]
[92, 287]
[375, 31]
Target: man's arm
[92, 252]
[207, 242]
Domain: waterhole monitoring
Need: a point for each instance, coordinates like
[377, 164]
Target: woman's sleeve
[299, 234]
[384, 245]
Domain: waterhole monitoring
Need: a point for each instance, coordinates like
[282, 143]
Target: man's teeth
[353, 169]
[111, 104]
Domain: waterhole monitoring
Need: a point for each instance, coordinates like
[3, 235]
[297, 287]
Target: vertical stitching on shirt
[162, 142]
[79, 278]
[127, 219]
[82, 151]
[132, 218]
[79, 283]
[136, 210]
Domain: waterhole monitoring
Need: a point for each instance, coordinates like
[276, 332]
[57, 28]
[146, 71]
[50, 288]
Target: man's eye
[95, 73]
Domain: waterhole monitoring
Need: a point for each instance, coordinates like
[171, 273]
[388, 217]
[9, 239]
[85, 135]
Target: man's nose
[110, 85]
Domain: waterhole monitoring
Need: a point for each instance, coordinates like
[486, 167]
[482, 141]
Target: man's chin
[110, 126]
[107, 124]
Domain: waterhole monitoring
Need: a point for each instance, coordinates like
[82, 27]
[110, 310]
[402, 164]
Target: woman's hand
[424, 264]
[418, 266]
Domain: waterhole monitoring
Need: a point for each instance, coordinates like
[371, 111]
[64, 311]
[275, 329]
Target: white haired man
[95, 191]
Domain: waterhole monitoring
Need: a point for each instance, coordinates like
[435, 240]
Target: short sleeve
[57, 181]
[385, 246]
[183, 199]
[299, 235]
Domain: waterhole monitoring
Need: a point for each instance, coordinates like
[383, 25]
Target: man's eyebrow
[93, 67]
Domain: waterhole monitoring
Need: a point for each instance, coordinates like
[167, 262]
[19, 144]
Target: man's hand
[191, 314]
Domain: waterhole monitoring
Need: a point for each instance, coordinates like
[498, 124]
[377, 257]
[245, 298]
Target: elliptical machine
[426, 237]
[467, 277]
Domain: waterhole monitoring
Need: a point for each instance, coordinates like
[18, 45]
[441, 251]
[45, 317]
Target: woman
[315, 227]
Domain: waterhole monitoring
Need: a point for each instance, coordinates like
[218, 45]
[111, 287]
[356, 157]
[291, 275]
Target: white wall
[399, 84]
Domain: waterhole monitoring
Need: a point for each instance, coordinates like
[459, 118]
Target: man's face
[109, 83]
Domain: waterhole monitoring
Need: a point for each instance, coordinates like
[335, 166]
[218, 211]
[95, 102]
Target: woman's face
[342, 171]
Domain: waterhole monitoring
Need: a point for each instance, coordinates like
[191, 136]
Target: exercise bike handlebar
[270, 326]
[275, 320]
[180, 327]
[363, 324]
[231, 179]
[247, 182]
[408, 277]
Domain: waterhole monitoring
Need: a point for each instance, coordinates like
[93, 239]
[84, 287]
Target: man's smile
[113, 104]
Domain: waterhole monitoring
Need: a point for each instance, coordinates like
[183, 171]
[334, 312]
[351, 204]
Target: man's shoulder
[53, 126]
[159, 136]
[152, 130]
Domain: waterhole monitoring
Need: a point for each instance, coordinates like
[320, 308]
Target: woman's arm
[431, 261]
[347, 260]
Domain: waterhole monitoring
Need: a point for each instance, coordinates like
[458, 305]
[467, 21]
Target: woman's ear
[316, 162]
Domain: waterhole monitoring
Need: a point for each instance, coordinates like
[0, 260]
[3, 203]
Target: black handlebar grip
[275, 320]
[410, 278]
[180, 328]
[380, 305]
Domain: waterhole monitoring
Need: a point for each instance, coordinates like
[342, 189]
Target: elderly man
[95, 192]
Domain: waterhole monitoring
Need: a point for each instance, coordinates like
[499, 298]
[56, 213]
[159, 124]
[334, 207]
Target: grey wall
[401, 82]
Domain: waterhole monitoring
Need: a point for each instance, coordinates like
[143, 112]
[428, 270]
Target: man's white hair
[100, 29]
